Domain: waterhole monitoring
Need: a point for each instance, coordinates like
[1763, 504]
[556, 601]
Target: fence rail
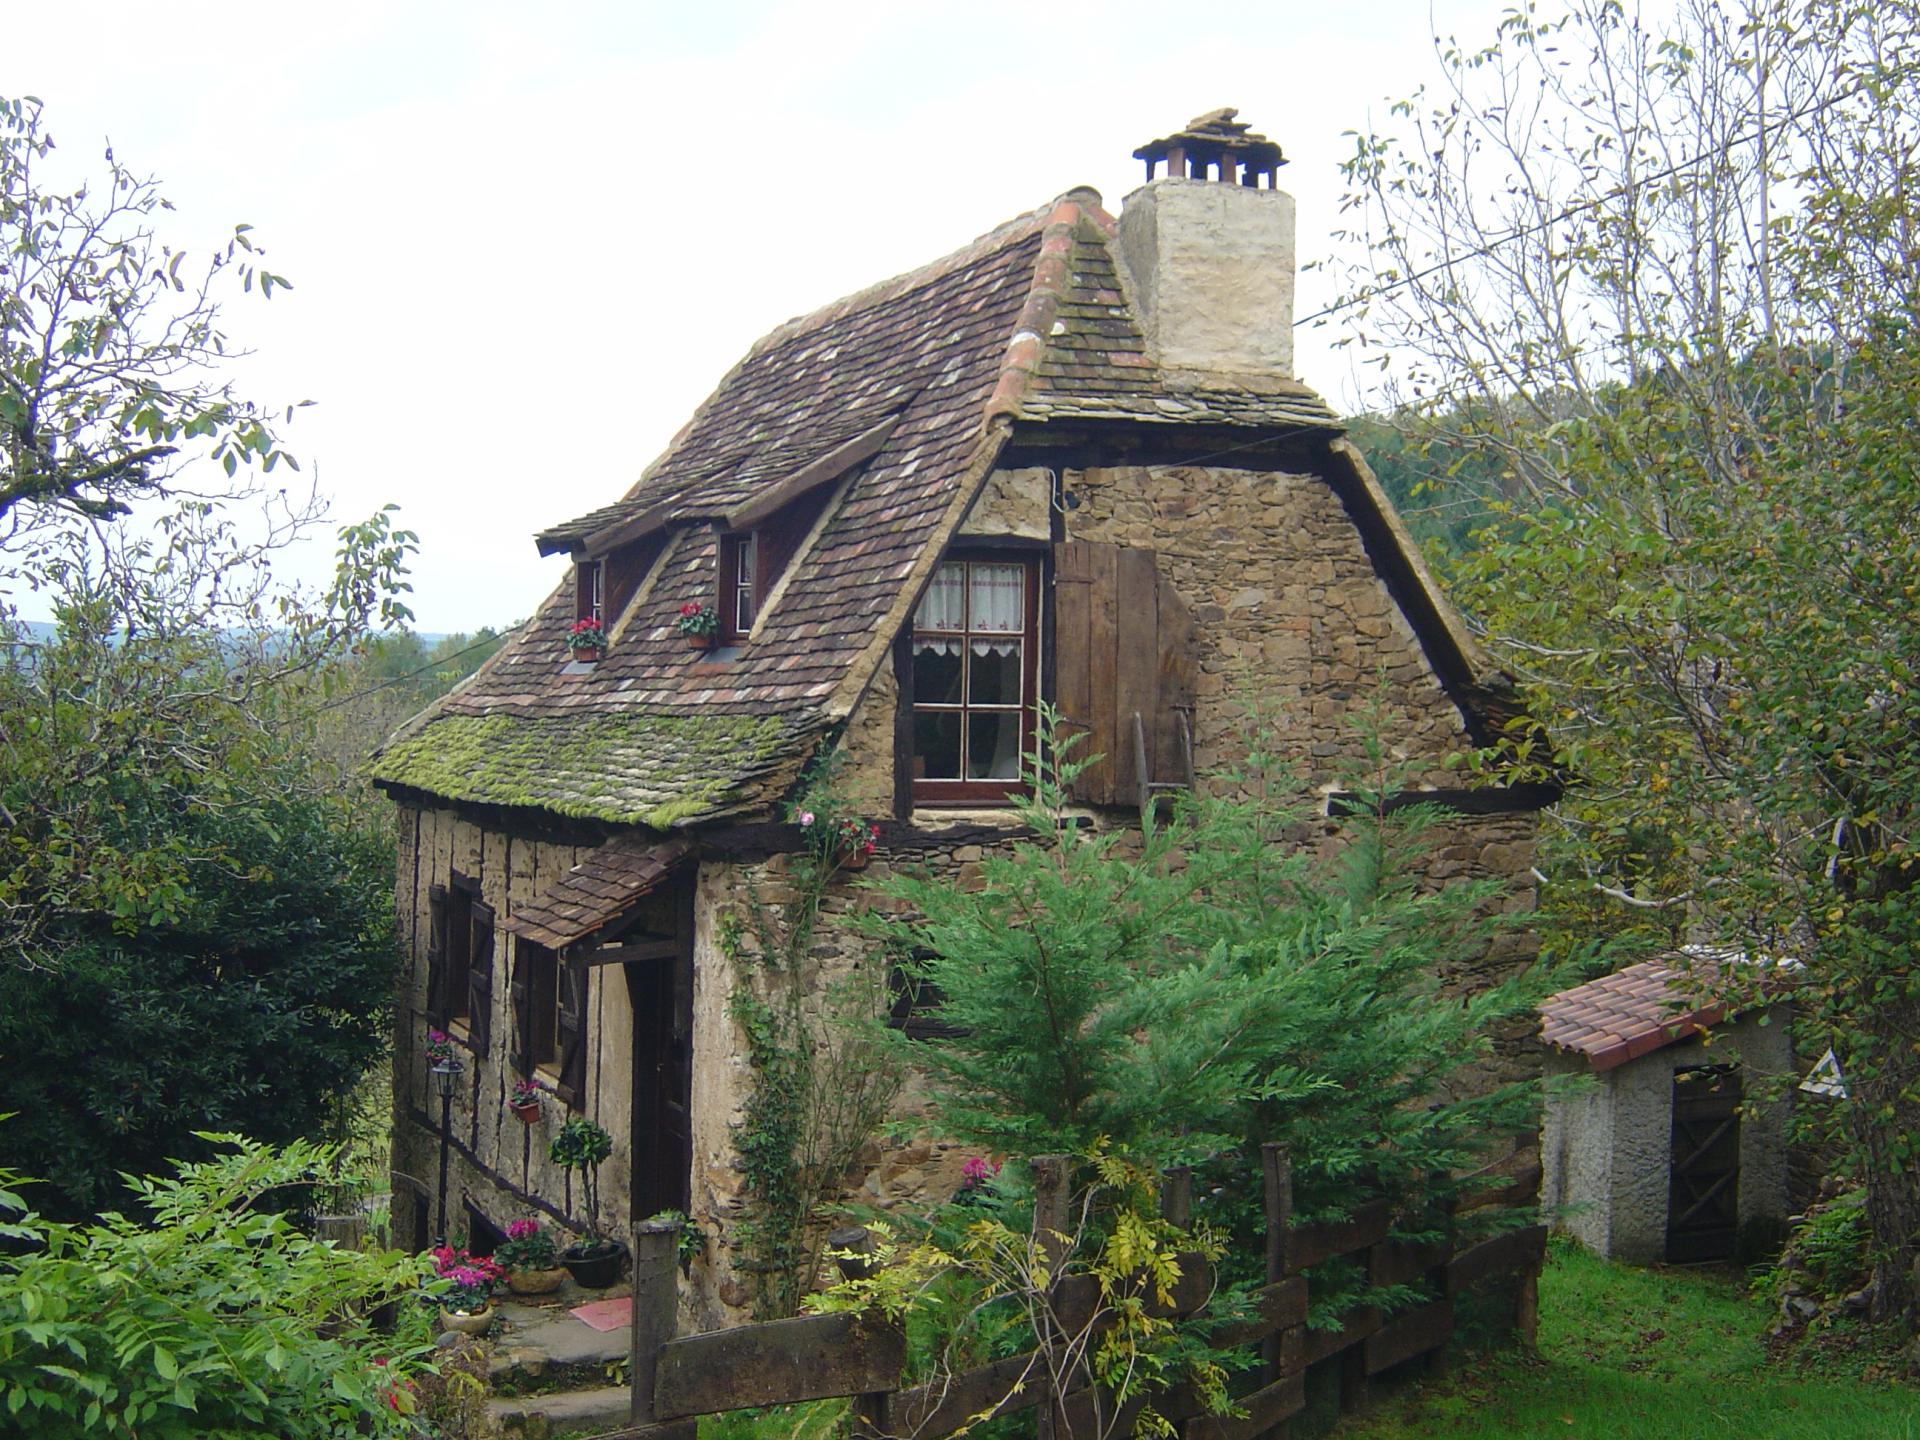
[820, 1357]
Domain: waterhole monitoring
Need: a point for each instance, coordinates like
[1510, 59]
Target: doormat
[605, 1314]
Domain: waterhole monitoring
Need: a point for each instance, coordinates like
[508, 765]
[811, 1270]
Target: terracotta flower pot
[856, 859]
[467, 1322]
[529, 1113]
[536, 1282]
[588, 654]
[700, 642]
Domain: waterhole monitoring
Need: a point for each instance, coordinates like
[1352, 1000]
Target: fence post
[656, 1304]
[1276, 1184]
[1050, 1206]
[1176, 1197]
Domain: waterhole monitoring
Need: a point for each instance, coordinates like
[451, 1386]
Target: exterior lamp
[445, 1075]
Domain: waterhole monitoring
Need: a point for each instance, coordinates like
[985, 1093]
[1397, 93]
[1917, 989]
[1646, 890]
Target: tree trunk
[1885, 1114]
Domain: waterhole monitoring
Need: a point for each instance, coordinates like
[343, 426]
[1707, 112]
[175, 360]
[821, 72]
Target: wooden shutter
[573, 1031]
[520, 992]
[437, 1002]
[480, 976]
[1123, 645]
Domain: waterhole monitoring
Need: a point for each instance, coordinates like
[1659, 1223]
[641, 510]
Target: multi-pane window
[589, 590]
[973, 679]
[740, 599]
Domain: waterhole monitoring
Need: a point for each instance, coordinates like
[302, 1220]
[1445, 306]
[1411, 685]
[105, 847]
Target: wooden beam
[1515, 1250]
[1318, 1345]
[1278, 1306]
[1408, 1335]
[653, 947]
[830, 466]
[1265, 1408]
[1310, 1244]
[783, 1362]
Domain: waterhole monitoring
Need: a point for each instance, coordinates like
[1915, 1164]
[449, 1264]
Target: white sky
[526, 240]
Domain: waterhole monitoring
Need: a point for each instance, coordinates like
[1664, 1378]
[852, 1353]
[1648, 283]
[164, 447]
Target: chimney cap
[1214, 139]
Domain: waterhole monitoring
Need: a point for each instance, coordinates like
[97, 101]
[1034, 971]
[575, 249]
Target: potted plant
[524, 1101]
[700, 624]
[465, 1294]
[439, 1047]
[530, 1258]
[593, 1261]
[587, 638]
[846, 841]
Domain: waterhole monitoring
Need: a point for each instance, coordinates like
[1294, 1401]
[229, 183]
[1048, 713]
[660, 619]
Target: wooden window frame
[536, 1013]
[733, 586]
[963, 792]
[590, 590]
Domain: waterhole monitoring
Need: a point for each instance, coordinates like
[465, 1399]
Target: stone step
[562, 1412]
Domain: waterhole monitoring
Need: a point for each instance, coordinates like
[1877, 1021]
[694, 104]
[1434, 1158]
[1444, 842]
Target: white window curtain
[944, 606]
[999, 607]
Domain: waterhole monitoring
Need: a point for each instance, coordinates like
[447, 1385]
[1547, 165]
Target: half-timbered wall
[498, 1162]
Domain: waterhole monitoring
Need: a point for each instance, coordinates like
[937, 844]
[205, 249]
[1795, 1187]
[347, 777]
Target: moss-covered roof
[626, 768]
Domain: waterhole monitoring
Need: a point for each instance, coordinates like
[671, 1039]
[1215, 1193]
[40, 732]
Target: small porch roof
[599, 891]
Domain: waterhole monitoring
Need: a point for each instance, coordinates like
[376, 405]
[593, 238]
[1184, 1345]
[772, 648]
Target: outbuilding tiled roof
[1028, 324]
[1634, 1011]
[598, 891]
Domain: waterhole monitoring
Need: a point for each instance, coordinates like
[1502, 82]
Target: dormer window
[740, 584]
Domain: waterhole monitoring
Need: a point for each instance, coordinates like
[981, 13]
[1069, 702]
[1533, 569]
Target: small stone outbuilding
[1678, 1152]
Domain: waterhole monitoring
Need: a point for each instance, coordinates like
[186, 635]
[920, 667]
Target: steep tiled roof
[598, 891]
[1634, 1011]
[1027, 324]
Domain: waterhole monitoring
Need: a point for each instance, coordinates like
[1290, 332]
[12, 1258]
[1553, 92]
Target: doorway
[1703, 1197]
[660, 987]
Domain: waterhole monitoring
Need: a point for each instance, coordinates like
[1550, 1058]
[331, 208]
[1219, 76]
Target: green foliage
[1207, 988]
[200, 1319]
[583, 1145]
[112, 347]
[1685, 320]
[1010, 1273]
[1829, 1250]
[822, 1080]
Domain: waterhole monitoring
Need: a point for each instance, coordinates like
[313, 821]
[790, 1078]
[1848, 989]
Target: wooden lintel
[645, 948]
[1489, 800]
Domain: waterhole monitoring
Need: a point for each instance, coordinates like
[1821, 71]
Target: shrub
[211, 1316]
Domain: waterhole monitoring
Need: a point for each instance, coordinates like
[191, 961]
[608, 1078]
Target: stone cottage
[1678, 1149]
[1068, 462]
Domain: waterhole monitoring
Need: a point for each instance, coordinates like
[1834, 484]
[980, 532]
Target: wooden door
[662, 994]
[1703, 1197]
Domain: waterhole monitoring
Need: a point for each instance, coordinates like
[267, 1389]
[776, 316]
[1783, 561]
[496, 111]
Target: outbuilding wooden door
[662, 994]
[1703, 1197]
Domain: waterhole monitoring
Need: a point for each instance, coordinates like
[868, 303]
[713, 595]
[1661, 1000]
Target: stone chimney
[1208, 253]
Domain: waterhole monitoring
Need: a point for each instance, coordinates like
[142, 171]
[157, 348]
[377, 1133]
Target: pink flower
[521, 1229]
[978, 1170]
[806, 818]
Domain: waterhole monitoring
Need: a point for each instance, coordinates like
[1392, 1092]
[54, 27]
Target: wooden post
[656, 1304]
[1355, 1389]
[1526, 1308]
[1276, 1183]
[1051, 1202]
[1176, 1197]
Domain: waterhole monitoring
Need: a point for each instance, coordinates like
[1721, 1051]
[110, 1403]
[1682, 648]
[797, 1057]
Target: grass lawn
[1660, 1354]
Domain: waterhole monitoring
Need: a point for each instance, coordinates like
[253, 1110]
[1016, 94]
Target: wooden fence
[821, 1357]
